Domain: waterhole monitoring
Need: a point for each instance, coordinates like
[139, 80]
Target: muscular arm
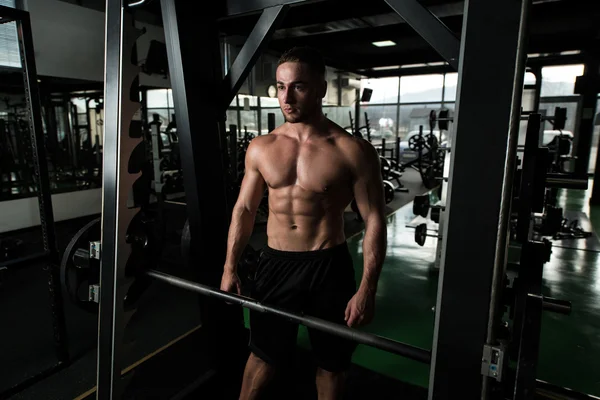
[244, 211]
[370, 200]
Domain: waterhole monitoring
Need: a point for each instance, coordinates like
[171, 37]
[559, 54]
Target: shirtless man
[312, 169]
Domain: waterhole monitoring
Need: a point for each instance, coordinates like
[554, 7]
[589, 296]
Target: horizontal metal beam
[434, 69]
[392, 346]
[430, 28]
[12, 14]
[239, 7]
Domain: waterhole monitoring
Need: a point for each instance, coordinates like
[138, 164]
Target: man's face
[299, 92]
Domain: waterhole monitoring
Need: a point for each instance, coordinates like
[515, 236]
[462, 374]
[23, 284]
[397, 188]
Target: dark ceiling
[344, 30]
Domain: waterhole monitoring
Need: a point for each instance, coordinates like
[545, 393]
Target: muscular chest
[316, 168]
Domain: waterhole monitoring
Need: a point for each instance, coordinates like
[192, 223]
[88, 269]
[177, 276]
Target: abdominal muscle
[301, 220]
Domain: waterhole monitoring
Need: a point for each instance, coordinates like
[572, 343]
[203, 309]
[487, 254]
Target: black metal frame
[121, 135]
[50, 254]
[492, 39]
[471, 277]
[430, 28]
[268, 22]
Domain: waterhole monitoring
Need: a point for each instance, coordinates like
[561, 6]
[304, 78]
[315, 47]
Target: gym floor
[165, 354]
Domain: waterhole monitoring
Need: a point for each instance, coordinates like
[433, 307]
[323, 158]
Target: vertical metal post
[121, 135]
[202, 137]
[492, 45]
[587, 115]
[357, 114]
[537, 71]
[43, 185]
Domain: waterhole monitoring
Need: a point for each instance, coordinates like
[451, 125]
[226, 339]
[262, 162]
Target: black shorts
[315, 283]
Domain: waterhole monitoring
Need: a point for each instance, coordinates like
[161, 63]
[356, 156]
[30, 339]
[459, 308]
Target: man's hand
[360, 309]
[230, 282]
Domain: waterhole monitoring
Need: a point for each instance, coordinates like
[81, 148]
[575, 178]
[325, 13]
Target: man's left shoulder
[359, 147]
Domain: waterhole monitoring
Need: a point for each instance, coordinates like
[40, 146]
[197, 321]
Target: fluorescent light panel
[384, 43]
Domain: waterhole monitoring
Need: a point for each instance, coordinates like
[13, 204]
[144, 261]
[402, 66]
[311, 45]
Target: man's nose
[288, 96]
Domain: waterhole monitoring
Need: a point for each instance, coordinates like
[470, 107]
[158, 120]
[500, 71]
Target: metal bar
[40, 161]
[392, 346]
[438, 35]
[235, 8]
[527, 185]
[202, 135]
[23, 261]
[13, 14]
[107, 375]
[586, 115]
[556, 305]
[491, 43]
[525, 381]
[268, 22]
[565, 182]
[543, 389]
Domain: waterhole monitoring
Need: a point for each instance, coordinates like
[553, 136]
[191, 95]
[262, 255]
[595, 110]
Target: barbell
[80, 273]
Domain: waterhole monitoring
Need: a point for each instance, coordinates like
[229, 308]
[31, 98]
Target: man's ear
[323, 89]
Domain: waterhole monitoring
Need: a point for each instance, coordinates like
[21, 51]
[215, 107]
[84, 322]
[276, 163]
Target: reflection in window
[548, 107]
[341, 116]
[595, 138]
[415, 115]
[450, 85]
[560, 80]
[9, 42]
[382, 122]
[421, 88]
[157, 98]
[264, 119]
[249, 122]
[385, 90]
[529, 78]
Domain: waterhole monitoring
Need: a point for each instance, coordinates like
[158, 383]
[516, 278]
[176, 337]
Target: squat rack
[50, 255]
[489, 58]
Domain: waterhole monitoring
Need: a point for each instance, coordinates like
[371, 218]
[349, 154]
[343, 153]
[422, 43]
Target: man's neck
[314, 126]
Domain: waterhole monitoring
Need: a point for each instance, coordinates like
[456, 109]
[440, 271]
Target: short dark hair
[305, 54]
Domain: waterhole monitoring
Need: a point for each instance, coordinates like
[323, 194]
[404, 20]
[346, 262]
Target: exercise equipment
[391, 178]
[422, 205]
[80, 267]
[421, 234]
[342, 331]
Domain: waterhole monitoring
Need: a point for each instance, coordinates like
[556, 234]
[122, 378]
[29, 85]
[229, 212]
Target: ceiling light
[384, 43]
[385, 68]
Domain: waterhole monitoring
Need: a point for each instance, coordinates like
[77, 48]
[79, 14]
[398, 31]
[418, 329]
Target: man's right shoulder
[260, 143]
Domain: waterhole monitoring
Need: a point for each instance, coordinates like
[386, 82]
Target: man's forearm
[240, 230]
[374, 249]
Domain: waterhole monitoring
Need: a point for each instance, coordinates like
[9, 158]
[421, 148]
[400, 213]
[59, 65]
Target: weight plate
[75, 280]
[421, 234]
[421, 205]
[415, 143]
[435, 215]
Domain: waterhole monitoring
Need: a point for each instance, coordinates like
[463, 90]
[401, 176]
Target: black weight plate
[415, 143]
[75, 281]
[421, 234]
[435, 215]
[421, 205]
[389, 192]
